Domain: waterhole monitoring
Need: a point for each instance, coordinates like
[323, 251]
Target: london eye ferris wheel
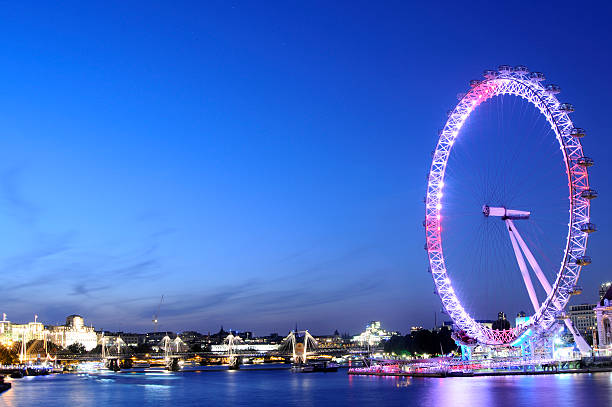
[556, 281]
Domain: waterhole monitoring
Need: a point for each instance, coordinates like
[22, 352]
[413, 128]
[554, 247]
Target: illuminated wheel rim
[521, 83]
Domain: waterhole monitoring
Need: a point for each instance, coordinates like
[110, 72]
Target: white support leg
[580, 342]
[532, 261]
[523, 267]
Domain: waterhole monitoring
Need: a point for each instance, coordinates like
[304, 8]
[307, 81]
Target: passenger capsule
[578, 132]
[553, 89]
[575, 290]
[504, 69]
[561, 315]
[583, 261]
[475, 82]
[588, 228]
[566, 107]
[521, 69]
[585, 161]
[537, 76]
[490, 74]
[589, 194]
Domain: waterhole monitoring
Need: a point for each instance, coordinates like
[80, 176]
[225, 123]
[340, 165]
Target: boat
[325, 366]
[461, 373]
[173, 365]
[302, 368]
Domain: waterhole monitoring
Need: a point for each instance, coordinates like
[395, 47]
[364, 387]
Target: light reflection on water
[285, 388]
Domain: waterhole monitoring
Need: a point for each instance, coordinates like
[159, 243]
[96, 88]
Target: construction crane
[156, 315]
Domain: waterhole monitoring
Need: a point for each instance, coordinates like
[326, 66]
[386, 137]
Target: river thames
[281, 387]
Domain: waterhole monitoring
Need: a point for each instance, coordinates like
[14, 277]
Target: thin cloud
[85, 290]
[16, 203]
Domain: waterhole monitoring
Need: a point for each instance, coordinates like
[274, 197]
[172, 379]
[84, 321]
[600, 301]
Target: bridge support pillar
[113, 364]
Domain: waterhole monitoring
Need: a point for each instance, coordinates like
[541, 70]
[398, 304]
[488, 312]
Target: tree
[426, 341]
[195, 347]
[97, 350]
[422, 341]
[446, 340]
[143, 348]
[76, 348]
[9, 355]
[398, 344]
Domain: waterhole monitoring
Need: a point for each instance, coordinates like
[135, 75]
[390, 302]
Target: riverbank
[4, 386]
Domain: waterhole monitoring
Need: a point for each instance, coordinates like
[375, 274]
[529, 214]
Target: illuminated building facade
[75, 331]
[583, 318]
[603, 312]
[10, 332]
[329, 342]
[373, 335]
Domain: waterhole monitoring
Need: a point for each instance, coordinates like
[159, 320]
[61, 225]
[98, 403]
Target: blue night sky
[257, 165]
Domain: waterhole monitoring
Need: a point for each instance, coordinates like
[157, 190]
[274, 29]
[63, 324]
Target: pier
[452, 367]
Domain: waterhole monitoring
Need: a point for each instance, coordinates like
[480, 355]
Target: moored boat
[325, 366]
[302, 368]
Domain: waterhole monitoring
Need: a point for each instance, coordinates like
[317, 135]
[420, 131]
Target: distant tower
[75, 322]
[603, 288]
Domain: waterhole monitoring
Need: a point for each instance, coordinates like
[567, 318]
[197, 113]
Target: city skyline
[151, 151]
[590, 301]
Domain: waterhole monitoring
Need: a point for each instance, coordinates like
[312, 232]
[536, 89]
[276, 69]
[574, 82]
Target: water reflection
[246, 388]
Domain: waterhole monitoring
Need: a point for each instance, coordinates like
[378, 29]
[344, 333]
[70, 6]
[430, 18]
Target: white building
[73, 332]
[10, 333]
[373, 335]
[5, 330]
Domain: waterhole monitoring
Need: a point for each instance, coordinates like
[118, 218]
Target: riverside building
[10, 332]
[74, 331]
[603, 312]
[583, 318]
[373, 335]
